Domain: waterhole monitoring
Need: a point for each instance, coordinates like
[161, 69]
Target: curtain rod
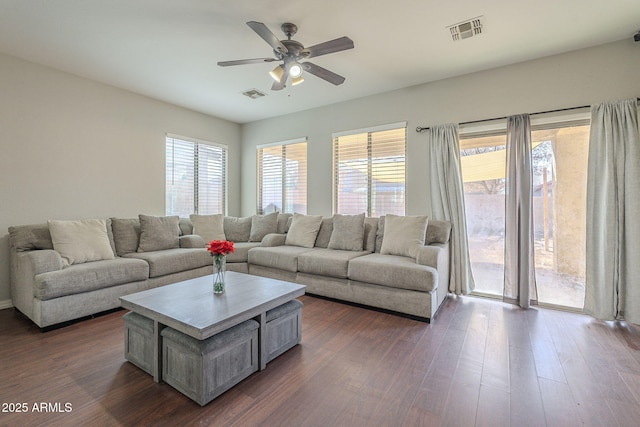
[420, 128]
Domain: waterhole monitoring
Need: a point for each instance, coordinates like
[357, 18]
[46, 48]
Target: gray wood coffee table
[191, 308]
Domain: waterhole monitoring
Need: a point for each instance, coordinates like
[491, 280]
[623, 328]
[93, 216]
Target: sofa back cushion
[284, 222]
[324, 234]
[209, 227]
[261, 225]
[81, 241]
[348, 232]
[370, 231]
[304, 230]
[237, 229]
[404, 235]
[158, 233]
[438, 231]
[126, 235]
[30, 237]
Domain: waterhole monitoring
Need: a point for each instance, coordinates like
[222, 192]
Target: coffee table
[191, 308]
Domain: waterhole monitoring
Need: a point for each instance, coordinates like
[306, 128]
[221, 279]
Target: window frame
[259, 175]
[197, 143]
[335, 167]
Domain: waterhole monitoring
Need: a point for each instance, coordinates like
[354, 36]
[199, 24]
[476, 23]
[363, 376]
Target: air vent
[253, 93]
[466, 29]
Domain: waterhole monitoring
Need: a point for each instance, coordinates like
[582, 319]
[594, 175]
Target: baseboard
[5, 304]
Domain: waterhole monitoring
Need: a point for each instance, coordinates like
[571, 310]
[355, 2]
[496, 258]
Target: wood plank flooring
[480, 363]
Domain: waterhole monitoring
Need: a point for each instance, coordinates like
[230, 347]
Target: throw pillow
[403, 235]
[158, 233]
[237, 229]
[209, 227]
[304, 230]
[261, 225]
[81, 241]
[126, 235]
[348, 232]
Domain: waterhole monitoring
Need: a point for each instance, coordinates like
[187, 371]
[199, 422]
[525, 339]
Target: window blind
[370, 172]
[196, 177]
[282, 178]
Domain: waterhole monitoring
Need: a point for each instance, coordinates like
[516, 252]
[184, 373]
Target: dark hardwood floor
[480, 363]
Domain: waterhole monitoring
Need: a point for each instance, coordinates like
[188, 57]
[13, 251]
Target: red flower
[220, 247]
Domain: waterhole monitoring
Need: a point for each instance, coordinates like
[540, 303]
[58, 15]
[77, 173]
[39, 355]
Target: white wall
[74, 148]
[602, 73]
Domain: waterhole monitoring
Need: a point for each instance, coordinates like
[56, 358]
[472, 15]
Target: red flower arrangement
[220, 247]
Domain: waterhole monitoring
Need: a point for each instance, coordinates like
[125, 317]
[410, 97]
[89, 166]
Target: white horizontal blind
[196, 175]
[282, 178]
[370, 172]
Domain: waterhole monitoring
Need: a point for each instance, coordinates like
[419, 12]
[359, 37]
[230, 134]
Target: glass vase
[219, 270]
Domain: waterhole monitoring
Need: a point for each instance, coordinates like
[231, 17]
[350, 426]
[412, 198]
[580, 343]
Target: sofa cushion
[261, 225]
[283, 222]
[370, 231]
[126, 235]
[89, 277]
[81, 241]
[29, 237]
[437, 232]
[348, 232]
[304, 230]
[176, 260]
[324, 234]
[393, 271]
[237, 229]
[327, 262]
[403, 235]
[158, 233]
[281, 257]
[241, 253]
[209, 227]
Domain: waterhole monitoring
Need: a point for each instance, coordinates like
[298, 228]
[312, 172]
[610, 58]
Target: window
[196, 177]
[282, 177]
[369, 171]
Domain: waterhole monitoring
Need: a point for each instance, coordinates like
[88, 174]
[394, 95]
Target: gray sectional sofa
[56, 286]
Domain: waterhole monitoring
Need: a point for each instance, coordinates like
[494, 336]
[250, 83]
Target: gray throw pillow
[438, 232]
[304, 230]
[403, 235]
[348, 232]
[126, 235]
[261, 225]
[324, 234]
[158, 233]
[237, 229]
[209, 227]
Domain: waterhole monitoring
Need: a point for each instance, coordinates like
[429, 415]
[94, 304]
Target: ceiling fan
[293, 53]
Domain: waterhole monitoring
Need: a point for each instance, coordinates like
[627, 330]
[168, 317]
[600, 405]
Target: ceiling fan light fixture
[296, 81]
[277, 73]
[295, 70]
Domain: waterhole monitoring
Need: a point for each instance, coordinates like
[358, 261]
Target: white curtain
[519, 275]
[613, 213]
[447, 202]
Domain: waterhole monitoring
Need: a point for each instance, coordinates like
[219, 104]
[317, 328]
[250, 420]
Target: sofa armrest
[38, 261]
[273, 239]
[191, 241]
[431, 256]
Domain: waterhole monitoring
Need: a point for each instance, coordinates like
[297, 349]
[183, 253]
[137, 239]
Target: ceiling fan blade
[323, 73]
[337, 45]
[268, 36]
[245, 61]
[283, 79]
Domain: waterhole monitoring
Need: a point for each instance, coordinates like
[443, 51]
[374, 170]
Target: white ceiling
[168, 49]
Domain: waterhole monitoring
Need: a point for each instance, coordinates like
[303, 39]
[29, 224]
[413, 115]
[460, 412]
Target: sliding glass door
[559, 159]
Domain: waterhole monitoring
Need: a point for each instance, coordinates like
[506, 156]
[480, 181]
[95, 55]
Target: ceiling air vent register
[466, 29]
[253, 94]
